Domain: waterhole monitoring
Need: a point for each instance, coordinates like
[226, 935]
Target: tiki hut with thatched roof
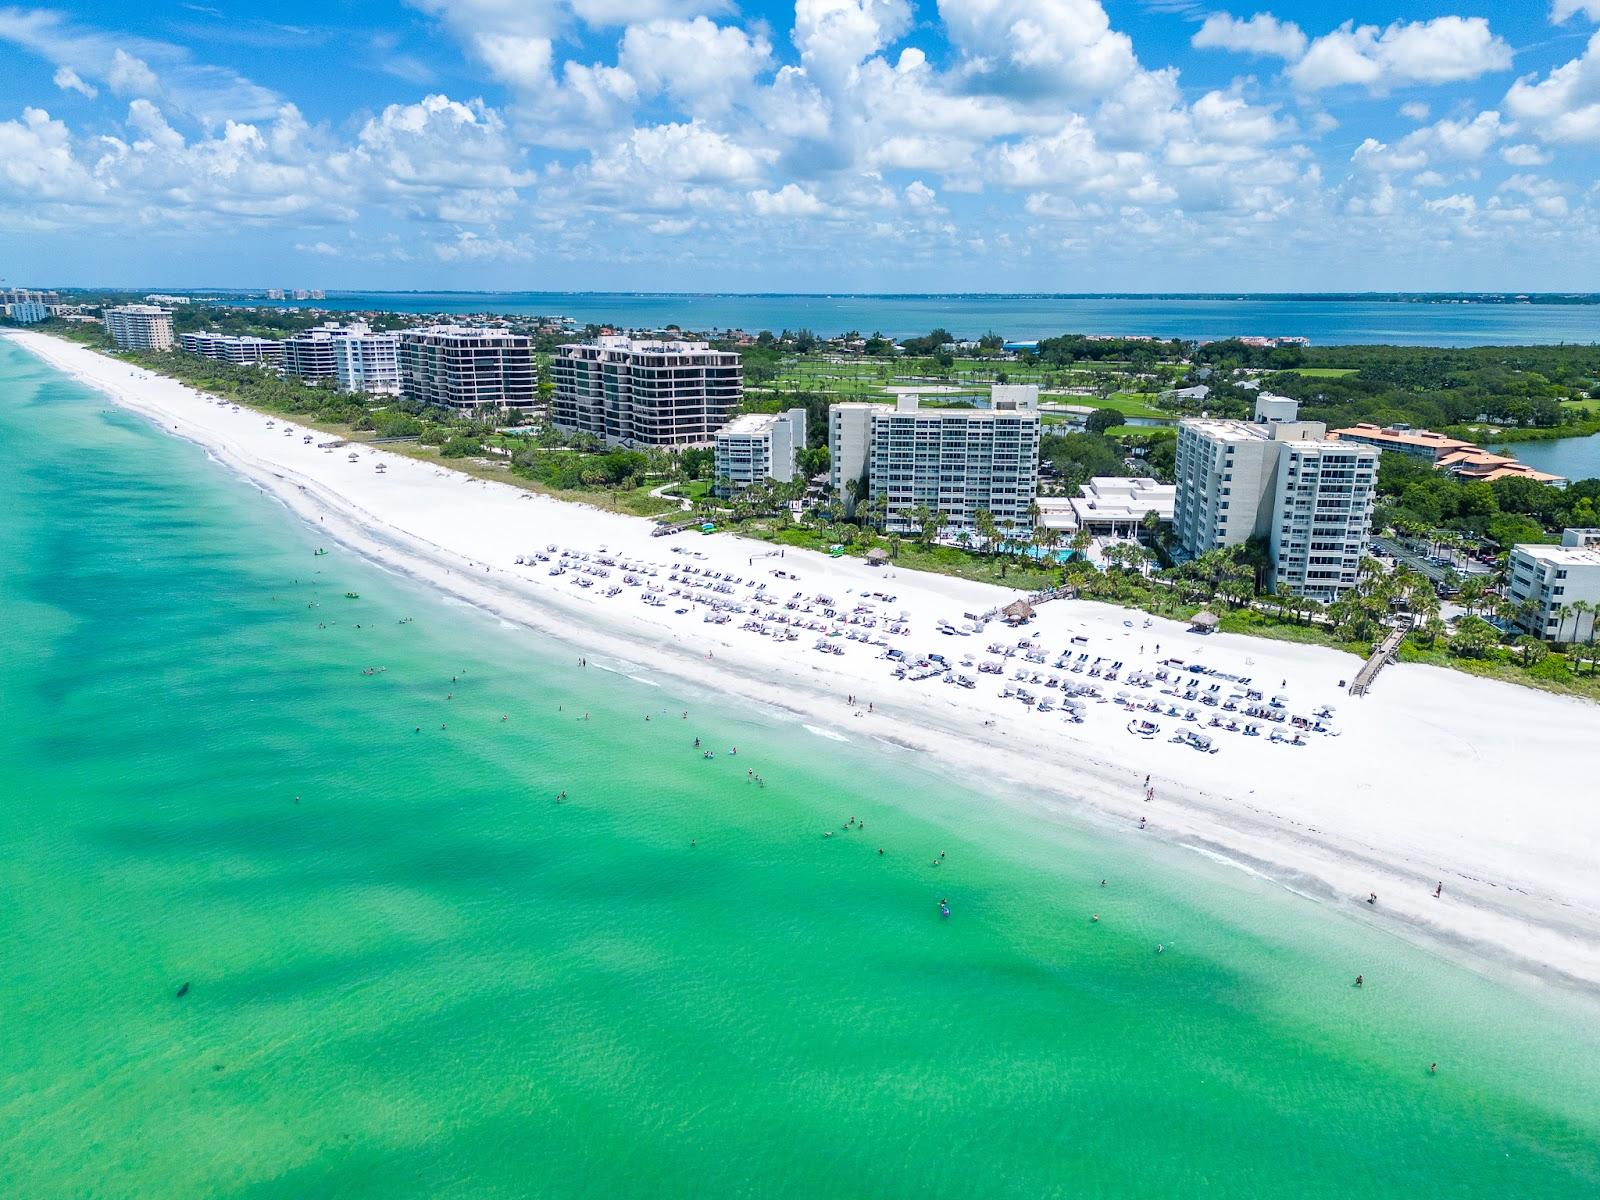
[1204, 622]
[1017, 612]
[877, 556]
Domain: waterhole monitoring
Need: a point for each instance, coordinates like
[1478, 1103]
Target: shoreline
[1435, 776]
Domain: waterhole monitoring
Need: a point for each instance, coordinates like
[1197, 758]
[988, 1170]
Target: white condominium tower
[468, 368]
[1277, 478]
[1557, 588]
[954, 461]
[353, 356]
[651, 393]
[139, 327]
[225, 347]
[757, 447]
[367, 362]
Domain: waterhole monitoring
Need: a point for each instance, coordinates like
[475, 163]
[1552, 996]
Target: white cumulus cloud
[1261, 34]
[69, 80]
[1443, 50]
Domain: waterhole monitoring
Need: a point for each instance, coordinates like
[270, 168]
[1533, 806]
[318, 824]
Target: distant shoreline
[1284, 297]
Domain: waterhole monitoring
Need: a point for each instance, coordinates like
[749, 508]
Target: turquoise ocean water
[1326, 320]
[412, 973]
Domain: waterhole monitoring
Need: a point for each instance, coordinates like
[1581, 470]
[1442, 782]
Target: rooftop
[1420, 438]
[1563, 556]
[751, 424]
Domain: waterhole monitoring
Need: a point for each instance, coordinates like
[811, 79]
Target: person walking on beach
[1438, 891]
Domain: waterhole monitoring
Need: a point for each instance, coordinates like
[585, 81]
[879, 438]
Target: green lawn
[1325, 372]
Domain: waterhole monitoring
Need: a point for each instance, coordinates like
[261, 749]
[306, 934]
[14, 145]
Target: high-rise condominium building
[757, 447]
[352, 355]
[139, 327]
[468, 368]
[652, 393]
[225, 347]
[368, 362]
[27, 312]
[1281, 479]
[957, 462]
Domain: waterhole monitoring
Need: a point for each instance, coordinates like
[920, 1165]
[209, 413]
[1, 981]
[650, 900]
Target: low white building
[226, 347]
[1550, 579]
[140, 327]
[1111, 506]
[757, 447]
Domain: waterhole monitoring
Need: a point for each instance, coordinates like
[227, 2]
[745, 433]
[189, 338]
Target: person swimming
[1094, 918]
[1358, 981]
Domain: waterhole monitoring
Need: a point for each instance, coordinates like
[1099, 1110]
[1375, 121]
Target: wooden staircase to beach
[1384, 654]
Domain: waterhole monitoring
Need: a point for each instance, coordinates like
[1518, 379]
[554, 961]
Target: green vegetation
[1443, 389]
[1416, 499]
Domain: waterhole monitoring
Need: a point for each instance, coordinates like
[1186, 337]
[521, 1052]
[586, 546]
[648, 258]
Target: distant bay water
[1574, 457]
[407, 972]
[1325, 320]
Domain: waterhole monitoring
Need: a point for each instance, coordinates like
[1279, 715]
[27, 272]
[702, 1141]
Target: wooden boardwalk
[1383, 654]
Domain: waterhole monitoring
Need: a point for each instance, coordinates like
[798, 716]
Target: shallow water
[412, 973]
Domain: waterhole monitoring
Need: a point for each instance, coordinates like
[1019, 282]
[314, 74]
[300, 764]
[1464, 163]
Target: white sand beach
[1433, 777]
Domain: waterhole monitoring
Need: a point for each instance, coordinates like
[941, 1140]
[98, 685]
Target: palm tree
[984, 520]
[1576, 609]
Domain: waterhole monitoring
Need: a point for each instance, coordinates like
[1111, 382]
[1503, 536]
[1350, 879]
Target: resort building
[1402, 439]
[225, 347]
[650, 393]
[955, 461]
[468, 368]
[1462, 459]
[27, 312]
[757, 447]
[139, 327]
[1281, 479]
[1550, 580]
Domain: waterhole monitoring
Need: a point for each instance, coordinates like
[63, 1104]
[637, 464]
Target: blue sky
[821, 145]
